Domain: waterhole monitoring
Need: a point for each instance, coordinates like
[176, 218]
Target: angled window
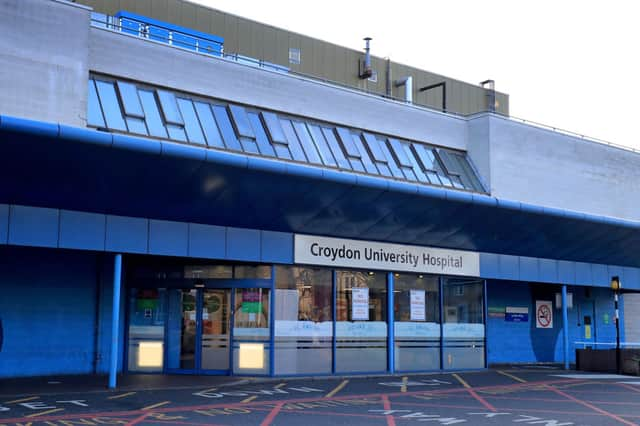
[414, 164]
[336, 150]
[322, 145]
[241, 122]
[130, 101]
[364, 155]
[374, 149]
[191, 122]
[228, 135]
[169, 108]
[152, 114]
[262, 139]
[307, 144]
[428, 163]
[94, 113]
[350, 150]
[400, 156]
[391, 161]
[294, 144]
[274, 128]
[110, 106]
[209, 126]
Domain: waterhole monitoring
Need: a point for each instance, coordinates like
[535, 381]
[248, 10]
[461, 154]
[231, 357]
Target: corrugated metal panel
[632, 317]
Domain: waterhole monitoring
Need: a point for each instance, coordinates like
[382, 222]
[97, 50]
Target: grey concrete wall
[43, 60]
[479, 148]
[546, 168]
[158, 64]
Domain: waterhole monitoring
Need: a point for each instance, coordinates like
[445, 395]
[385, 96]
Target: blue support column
[390, 334]
[565, 327]
[115, 321]
[272, 323]
[334, 310]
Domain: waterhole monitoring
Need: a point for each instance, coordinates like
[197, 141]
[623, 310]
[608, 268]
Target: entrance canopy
[50, 165]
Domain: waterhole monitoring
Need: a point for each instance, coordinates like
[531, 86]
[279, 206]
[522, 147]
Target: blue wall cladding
[33, 226]
[48, 311]
[520, 342]
[4, 223]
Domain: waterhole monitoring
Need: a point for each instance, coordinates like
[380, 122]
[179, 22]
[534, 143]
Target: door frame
[214, 284]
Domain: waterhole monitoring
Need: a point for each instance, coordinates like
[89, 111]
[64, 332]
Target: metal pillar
[565, 327]
[115, 320]
[391, 348]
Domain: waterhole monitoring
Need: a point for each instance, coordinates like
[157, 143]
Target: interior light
[251, 355]
[150, 354]
[420, 276]
[371, 273]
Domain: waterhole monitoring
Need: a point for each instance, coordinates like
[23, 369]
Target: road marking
[55, 410]
[15, 401]
[280, 385]
[272, 414]
[511, 376]
[593, 407]
[473, 393]
[137, 420]
[159, 404]
[251, 398]
[403, 388]
[458, 378]
[337, 389]
[386, 404]
[122, 395]
[208, 390]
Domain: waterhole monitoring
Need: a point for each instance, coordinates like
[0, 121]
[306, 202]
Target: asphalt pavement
[492, 397]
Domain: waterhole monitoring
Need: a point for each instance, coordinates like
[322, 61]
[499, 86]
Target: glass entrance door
[215, 336]
[199, 331]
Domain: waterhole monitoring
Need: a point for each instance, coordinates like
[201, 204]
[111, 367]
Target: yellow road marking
[159, 404]
[15, 401]
[122, 395]
[42, 413]
[403, 388]
[278, 386]
[511, 376]
[337, 389]
[208, 390]
[251, 398]
[465, 384]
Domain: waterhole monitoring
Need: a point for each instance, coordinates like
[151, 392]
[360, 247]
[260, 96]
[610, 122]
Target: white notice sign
[360, 304]
[544, 314]
[417, 305]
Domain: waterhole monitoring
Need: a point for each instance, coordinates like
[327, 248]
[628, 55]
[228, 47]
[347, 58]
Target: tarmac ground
[525, 396]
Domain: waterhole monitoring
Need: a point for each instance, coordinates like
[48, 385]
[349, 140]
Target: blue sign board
[513, 314]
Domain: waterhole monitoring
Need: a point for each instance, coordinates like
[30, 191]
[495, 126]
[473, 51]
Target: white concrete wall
[158, 64]
[43, 60]
[542, 167]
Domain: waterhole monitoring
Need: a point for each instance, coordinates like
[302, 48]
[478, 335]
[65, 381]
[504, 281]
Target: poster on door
[544, 314]
[417, 312]
[360, 304]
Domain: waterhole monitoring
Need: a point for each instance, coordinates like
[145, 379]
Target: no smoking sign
[544, 314]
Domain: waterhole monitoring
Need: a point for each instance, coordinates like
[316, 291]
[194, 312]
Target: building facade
[169, 206]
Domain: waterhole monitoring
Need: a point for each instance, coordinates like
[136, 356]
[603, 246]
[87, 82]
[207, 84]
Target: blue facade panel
[4, 223]
[548, 270]
[566, 272]
[489, 265]
[600, 275]
[207, 241]
[127, 234]
[168, 238]
[80, 230]
[583, 273]
[48, 311]
[243, 244]
[33, 226]
[529, 269]
[631, 278]
[276, 247]
[509, 267]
